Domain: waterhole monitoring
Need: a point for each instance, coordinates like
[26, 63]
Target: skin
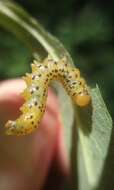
[24, 162]
[35, 94]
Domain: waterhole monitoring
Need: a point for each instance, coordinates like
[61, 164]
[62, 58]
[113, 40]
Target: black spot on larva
[35, 103]
[73, 94]
[67, 80]
[32, 91]
[79, 93]
[80, 83]
[46, 67]
[39, 107]
[37, 87]
[39, 75]
[56, 70]
[31, 116]
[55, 62]
[32, 122]
[33, 77]
[74, 83]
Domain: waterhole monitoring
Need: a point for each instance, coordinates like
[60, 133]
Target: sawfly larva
[35, 94]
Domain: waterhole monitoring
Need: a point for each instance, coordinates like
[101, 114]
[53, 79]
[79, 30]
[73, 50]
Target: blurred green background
[84, 27]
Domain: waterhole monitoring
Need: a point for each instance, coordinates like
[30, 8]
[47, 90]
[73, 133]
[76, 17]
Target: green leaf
[13, 55]
[94, 130]
[67, 114]
[16, 20]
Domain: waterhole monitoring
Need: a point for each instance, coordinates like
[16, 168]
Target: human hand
[25, 161]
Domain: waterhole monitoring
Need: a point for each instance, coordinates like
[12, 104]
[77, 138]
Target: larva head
[82, 99]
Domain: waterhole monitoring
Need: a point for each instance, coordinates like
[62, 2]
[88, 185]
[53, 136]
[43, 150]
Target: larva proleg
[35, 94]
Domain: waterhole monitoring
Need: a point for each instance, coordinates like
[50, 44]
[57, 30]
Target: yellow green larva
[35, 94]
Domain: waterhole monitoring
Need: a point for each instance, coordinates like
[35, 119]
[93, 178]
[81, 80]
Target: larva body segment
[35, 94]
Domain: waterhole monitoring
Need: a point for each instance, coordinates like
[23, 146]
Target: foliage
[87, 37]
